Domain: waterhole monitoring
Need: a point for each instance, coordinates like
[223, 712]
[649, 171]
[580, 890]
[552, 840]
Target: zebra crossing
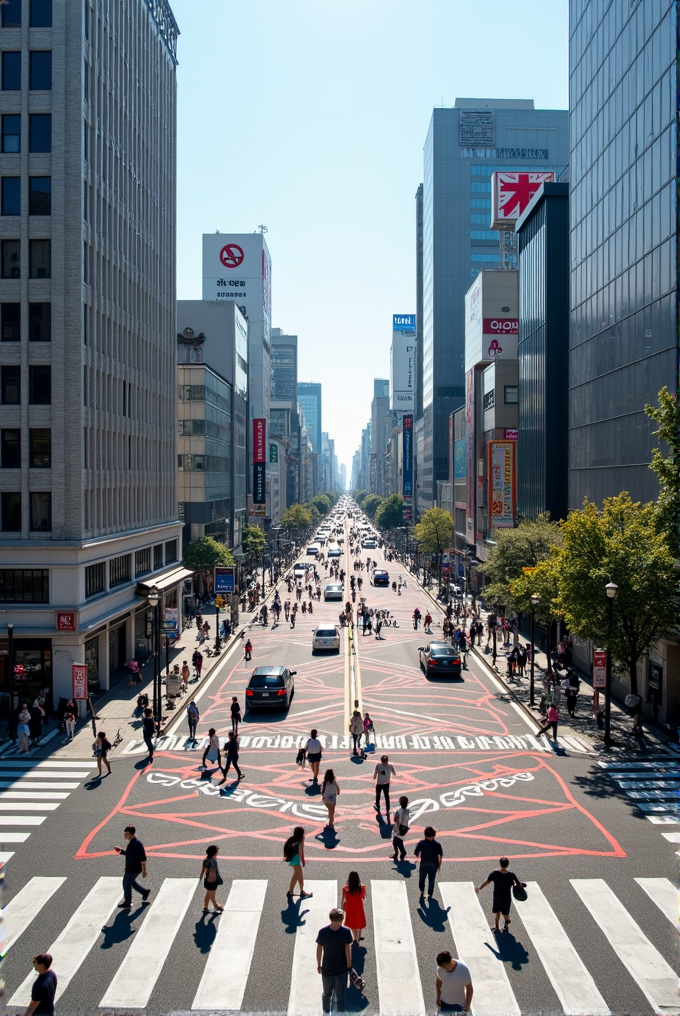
[29, 790]
[651, 784]
[398, 988]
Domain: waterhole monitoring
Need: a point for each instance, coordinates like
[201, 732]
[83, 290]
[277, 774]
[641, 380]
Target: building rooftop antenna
[262, 229]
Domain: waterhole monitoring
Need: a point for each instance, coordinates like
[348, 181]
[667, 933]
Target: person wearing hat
[334, 960]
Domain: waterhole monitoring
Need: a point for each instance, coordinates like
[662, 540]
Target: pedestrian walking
[521, 658]
[212, 880]
[235, 710]
[313, 752]
[286, 609]
[416, 618]
[101, 749]
[454, 984]
[402, 822]
[231, 756]
[197, 661]
[148, 731]
[368, 728]
[353, 896]
[212, 752]
[186, 674]
[70, 714]
[334, 960]
[356, 729]
[248, 651]
[35, 724]
[329, 795]
[294, 855]
[503, 881]
[382, 774]
[24, 729]
[571, 694]
[133, 667]
[552, 719]
[428, 623]
[135, 865]
[431, 854]
[193, 716]
[44, 988]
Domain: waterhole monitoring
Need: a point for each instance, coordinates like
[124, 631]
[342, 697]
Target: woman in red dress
[353, 896]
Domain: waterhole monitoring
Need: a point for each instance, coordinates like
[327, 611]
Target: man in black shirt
[135, 864]
[334, 960]
[44, 987]
[430, 853]
[149, 731]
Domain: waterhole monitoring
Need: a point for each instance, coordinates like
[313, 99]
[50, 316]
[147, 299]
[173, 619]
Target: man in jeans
[382, 775]
[334, 960]
[430, 853]
[135, 864]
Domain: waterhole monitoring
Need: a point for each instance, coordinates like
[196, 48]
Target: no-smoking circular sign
[231, 255]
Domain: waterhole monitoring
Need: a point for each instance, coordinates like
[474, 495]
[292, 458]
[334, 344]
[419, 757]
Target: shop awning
[164, 583]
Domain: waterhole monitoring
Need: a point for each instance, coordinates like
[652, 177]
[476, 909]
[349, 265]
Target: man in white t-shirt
[382, 775]
[454, 984]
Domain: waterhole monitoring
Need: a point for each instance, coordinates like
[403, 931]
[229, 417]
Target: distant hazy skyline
[309, 116]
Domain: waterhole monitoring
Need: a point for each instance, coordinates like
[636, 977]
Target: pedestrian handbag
[519, 892]
[403, 829]
[300, 758]
[357, 980]
[213, 878]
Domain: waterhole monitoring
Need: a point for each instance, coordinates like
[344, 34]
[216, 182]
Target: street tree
[252, 544]
[370, 504]
[205, 553]
[359, 496]
[390, 513]
[296, 518]
[618, 543]
[322, 503]
[667, 466]
[541, 580]
[516, 549]
[314, 512]
[433, 534]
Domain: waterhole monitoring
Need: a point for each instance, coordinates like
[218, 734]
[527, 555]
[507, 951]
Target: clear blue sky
[309, 116]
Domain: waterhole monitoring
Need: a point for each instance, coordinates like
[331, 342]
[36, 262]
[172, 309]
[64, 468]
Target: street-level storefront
[32, 677]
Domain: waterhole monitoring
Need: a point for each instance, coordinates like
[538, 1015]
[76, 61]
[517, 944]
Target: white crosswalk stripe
[397, 990]
[34, 787]
[651, 784]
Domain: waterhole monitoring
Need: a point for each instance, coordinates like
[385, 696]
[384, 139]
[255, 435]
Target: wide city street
[596, 935]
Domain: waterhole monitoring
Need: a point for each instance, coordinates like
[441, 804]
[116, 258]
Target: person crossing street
[135, 865]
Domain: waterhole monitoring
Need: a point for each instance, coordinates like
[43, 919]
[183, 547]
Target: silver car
[326, 637]
[333, 591]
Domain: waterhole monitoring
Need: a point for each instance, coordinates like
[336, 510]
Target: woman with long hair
[101, 748]
[353, 896]
[294, 855]
[210, 873]
[329, 795]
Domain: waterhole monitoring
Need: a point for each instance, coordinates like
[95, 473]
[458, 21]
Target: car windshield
[326, 633]
[442, 651]
[266, 681]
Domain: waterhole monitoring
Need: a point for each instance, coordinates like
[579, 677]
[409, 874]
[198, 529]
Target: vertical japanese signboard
[599, 668]
[407, 456]
[259, 483]
[79, 677]
[259, 441]
[501, 484]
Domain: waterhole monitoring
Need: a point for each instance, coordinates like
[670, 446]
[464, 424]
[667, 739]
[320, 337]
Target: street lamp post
[218, 644]
[611, 590]
[154, 600]
[10, 655]
[535, 600]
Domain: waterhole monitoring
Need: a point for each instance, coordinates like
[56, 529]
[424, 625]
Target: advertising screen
[403, 362]
[407, 457]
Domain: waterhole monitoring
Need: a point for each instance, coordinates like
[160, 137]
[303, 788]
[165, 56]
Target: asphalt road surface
[598, 933]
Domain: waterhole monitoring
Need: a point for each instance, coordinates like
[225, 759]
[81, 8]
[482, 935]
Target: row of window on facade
[39, 384]
[31, 585]
[39, 322]
[39, 195]
[39, 259]
[39, 448]
[39, 133]
[39, 70]
[39, 14]
[40, 511]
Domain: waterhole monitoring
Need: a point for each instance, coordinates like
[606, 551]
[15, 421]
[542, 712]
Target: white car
[300, 571]
[334, 550]
[326, 637]
[333, 591]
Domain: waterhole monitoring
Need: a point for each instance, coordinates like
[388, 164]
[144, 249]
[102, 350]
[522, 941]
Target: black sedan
[270, 687]
[440, 658]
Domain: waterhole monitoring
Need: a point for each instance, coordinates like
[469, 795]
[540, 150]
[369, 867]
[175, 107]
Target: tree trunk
[632, 670]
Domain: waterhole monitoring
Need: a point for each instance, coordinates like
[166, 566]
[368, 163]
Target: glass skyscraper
[309, 397]
[624, 239]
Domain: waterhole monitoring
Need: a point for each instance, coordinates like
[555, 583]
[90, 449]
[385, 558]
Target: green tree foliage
[314, 512]
[390, 513]
[322, 503]
[205, 553]
[667, 467]
[296, 518]
[252, 542]
[359, 495]
[523, 547]
[619, 543]
[371, 504]
[434, 531]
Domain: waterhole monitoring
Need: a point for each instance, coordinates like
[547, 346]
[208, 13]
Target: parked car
[270, 687]
[380, 577]
[440, 658]
[326, 637]
[333, 591]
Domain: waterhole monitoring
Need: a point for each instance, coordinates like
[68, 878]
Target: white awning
[164, 583]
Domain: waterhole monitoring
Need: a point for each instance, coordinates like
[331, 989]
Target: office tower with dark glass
[464, 145]
[623, 82]
[284, 359]
[88, 400]
[309, 397]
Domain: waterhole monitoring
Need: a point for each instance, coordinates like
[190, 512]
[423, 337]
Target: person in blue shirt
[44, 987]
[430, 853]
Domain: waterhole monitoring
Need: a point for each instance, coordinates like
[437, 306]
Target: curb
[526, 710]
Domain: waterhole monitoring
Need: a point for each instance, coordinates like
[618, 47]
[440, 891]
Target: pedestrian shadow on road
[405, 868]
[356, 1001]
[329, 838]
[205, 932]
[509, 950]
[292, 916]
[313, 790]
[358, 760]
[433, 914]
[122, 927]
[385, 827]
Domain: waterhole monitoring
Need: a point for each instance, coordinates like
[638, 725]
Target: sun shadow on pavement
[292, 916]
[433, 914]
[509, 950]
[206, 932]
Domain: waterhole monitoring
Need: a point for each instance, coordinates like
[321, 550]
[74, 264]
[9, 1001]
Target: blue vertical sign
[407, 456]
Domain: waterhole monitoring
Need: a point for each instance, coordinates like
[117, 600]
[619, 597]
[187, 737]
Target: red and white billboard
[500, 326]
[511, 194]
[502, 485]
[259, 441]
[79, 672]
[599, 668]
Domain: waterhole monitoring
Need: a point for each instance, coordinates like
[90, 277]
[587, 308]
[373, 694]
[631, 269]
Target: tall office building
[624, 240]
[381, 431]
[464, 146]
[88, 396]
[284, 364]
[309, 397]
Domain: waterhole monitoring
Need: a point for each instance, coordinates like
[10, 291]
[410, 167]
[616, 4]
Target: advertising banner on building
[79, 678]
[403, 363]
[511, 193]
[259, 440]
[459, 459]
[259, 483]
[502, 487]
[273, 452]
[470, 454]
[407, 456]
[224, 579]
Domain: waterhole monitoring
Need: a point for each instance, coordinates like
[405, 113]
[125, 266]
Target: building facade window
[10, 322]
[39, 132]
[10, 448]
[39, 322]
[11, 133]
[40, 70]
[40, 195]
[171, 551]
[40, 448]
[142, 561]
[511, 395]
[40, 384]
[11, 259]
[10, 385]
[11, 511]
[158, 556]
[11, 14]
[11, 195]
[11, 71]
[119, 570]
[41, 14]
[41, 511]
[40, 259]
[95, 578]
[24, 585]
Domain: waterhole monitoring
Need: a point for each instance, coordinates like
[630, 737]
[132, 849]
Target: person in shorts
[313, 753]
